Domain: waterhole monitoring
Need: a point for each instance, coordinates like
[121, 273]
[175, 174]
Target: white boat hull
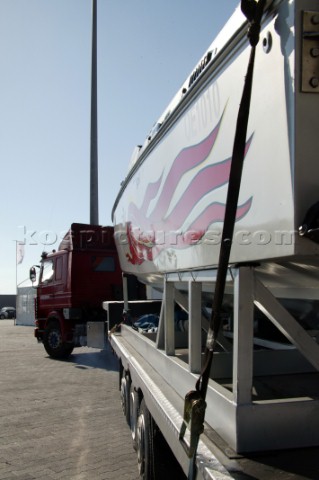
[169, 213]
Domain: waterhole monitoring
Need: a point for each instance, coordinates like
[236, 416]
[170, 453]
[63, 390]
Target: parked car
[7, 312]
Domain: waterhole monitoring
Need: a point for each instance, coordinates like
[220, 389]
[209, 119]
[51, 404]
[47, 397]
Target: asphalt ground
[60, 419]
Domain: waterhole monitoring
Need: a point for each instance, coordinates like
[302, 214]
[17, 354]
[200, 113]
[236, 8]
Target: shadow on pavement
[87, 358]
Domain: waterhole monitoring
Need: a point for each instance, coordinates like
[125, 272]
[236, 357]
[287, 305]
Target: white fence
[25, 306]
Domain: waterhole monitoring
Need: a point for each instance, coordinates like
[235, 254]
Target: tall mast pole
[94, 193]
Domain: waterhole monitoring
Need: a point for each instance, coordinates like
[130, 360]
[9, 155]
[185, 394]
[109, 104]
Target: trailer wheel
[125, 395]
[53, 344]
[134, 408]
[149, 456]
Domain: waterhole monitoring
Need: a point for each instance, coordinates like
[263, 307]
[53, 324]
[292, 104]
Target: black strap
[253, 11]
[255, 14]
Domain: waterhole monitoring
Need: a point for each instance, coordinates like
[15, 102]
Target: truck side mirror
[33, 274]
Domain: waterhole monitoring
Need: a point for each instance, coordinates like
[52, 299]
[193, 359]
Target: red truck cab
[73, 283]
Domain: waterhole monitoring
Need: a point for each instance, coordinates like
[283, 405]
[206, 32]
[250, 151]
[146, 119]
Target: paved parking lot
[60, 420]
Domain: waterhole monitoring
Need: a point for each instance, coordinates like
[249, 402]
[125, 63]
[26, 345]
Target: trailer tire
[125, 395]
[53, 344]
[149, 457]
[134, 409]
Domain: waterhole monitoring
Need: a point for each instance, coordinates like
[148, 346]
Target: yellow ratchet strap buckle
[194, 414]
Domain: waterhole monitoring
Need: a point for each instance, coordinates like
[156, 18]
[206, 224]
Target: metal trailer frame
[237, 422]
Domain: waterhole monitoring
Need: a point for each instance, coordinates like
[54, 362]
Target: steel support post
[125, 291]
[160, 337]
[194, 326]
[169, 318]
[243, 335]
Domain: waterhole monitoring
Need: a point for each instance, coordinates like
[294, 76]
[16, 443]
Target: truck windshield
[47, 271]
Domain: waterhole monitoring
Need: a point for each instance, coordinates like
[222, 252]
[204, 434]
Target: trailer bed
[216, 459]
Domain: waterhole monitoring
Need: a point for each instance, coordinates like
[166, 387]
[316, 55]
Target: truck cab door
[51, 288]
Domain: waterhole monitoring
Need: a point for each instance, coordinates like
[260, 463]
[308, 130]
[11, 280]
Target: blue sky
[146, 49]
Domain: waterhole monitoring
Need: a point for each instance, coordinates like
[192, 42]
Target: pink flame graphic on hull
[144, 228]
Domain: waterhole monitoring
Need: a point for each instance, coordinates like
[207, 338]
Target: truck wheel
[134, 408]
[125, 395]
[149, 457]
[52, 342]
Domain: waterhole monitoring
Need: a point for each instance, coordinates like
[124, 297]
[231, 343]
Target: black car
[7, 312]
